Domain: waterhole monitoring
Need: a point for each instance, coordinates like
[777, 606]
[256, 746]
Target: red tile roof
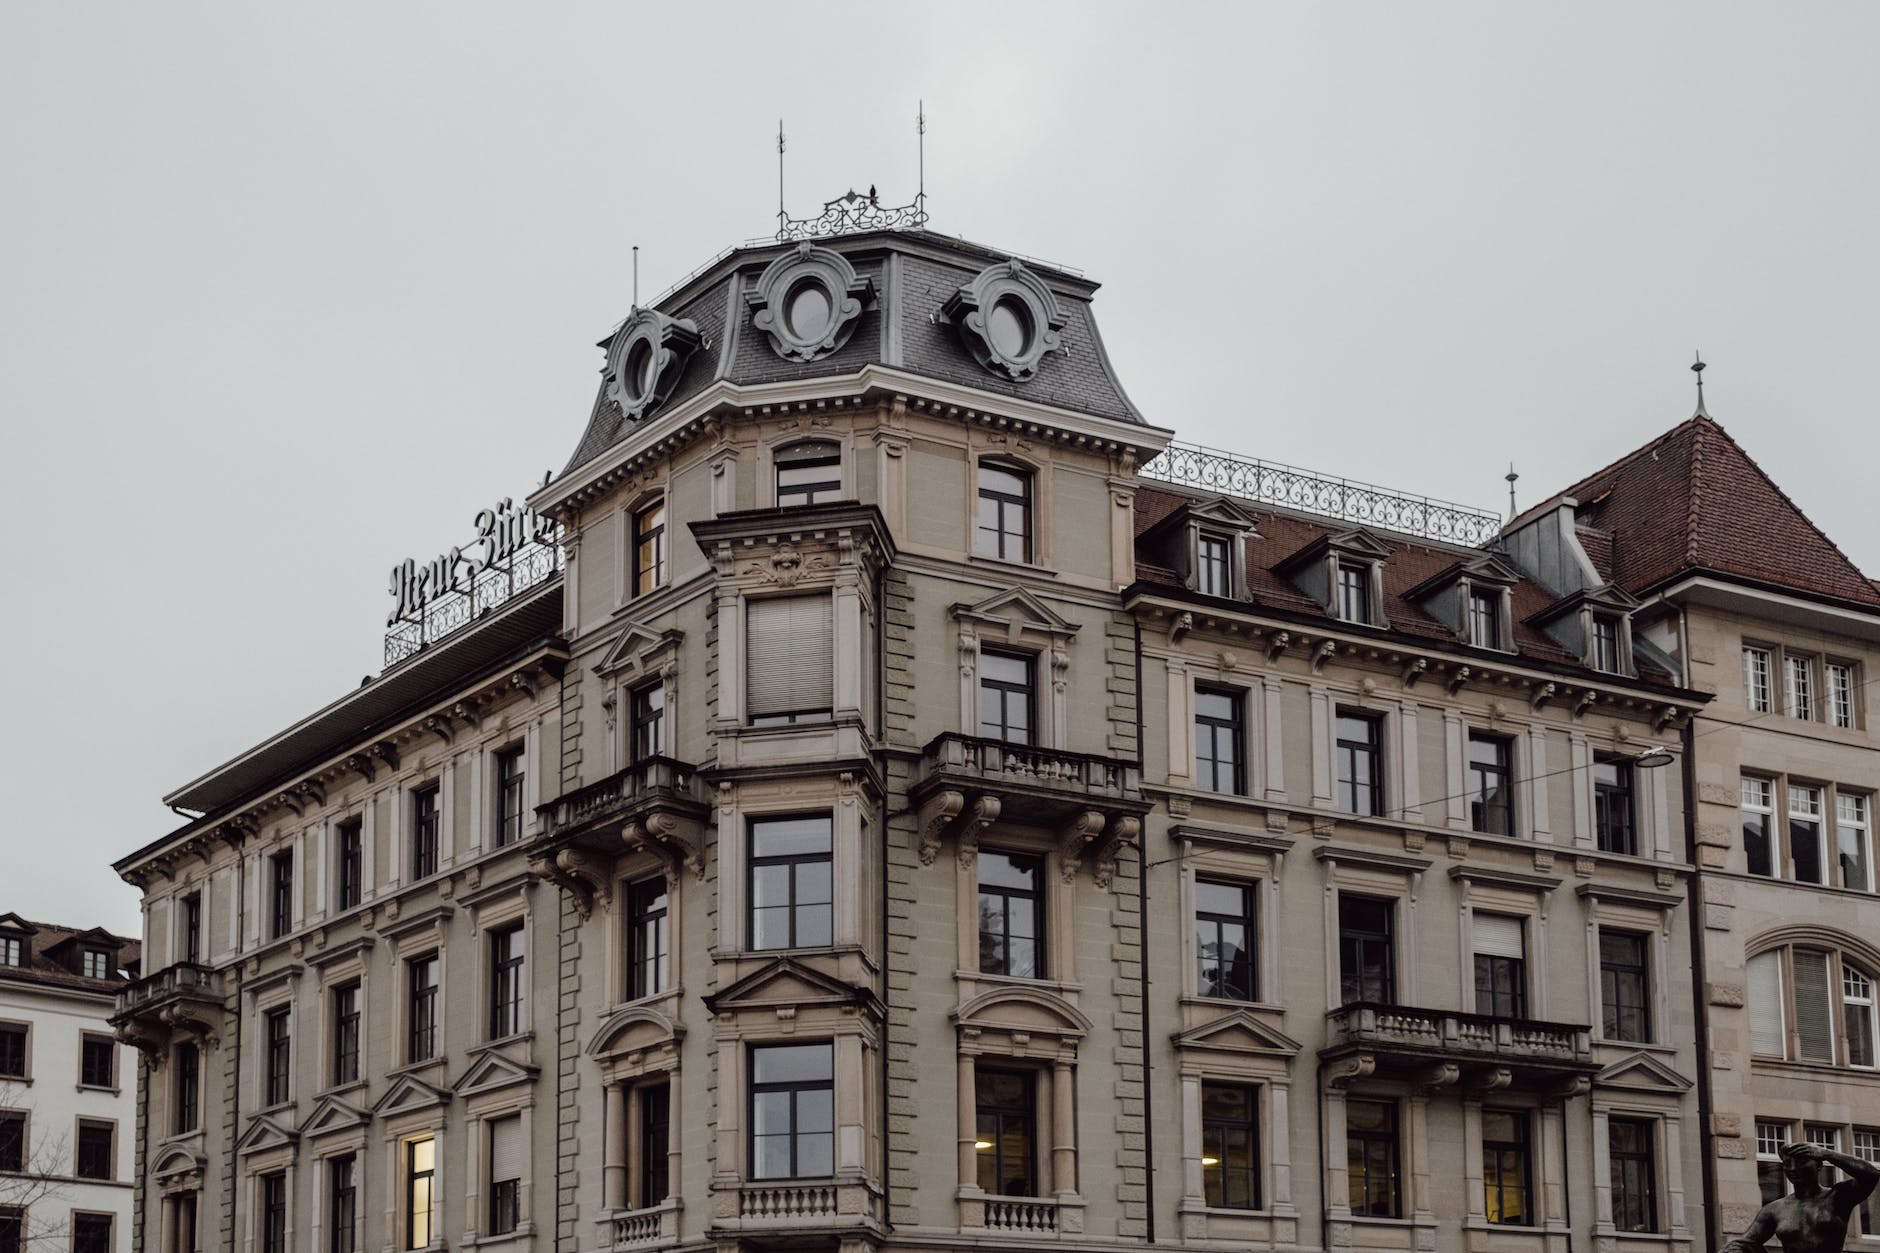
[41, 969]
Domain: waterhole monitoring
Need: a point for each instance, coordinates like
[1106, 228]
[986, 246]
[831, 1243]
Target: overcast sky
[290, 291]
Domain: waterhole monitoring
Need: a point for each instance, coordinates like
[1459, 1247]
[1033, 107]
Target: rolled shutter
[1499, 935]
[505, 1148]
[1765, 1005]
[1814, 1009]
[790, 655]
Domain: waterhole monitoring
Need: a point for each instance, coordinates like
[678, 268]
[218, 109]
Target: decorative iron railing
[998, 761]
[1269, 483]
[1459, 1034]
[1021, 1214]
[532, 565]
[854, 211]
[644, 779]
[180, 979]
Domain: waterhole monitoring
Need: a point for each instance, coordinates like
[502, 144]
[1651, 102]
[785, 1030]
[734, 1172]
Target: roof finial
[782, 217]
[1511, 476]
[920, 130]
[1698, 370]
[636, 276]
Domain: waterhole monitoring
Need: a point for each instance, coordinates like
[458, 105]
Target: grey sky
[288, 292]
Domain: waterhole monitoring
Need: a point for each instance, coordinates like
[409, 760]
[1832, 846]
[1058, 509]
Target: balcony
[789, 1209]
[1043, 785]
[184, 998]
[1442, 1047]
[654, 784]
[638, 1229]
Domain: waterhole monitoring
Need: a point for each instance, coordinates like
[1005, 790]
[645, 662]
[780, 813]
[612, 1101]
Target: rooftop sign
[515, 549]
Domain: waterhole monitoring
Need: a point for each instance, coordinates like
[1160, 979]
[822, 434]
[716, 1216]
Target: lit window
[1756, 679]
[1354, 592]
[1500, 966]
[1213, 568]
[1484, 618]
[1371, 1161]
[1006, 1139]
[649, 548]
[508, 950]
[1006, 696]
[1230, 1145]
[1624, 987]
[1505, 1167]
[648, 721]
[1004, 521]
[809, 473]
[1758, 809]
[1840, 694]
[420, 1197]
[1854, 841]
[792, 886]
[509, 810]
[1011, 914]
[1491, 784]
[1220, 752]
[1634, 1174]
[1360, 763]
[646, 938]
[1805, 820]
[1606, 654]
[793, 1111]
[1225, 939]
[1612, 807]
[1800, 676]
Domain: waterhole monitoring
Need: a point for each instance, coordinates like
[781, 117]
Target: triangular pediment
[493, 1071]
[13, 922]
[636, 645]
[1641, 1072]
[408, 1092]
[264, 1132]
[333, 1114]
[1018, 606]
[1358, 542]
[635, 1029]
[1482, 569]
[1216, 511]
[786, 981]
[1241, 1031]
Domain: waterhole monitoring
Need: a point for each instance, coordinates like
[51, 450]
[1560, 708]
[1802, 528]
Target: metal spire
[782, 217]
[920, 128]
[1511, 476]
[1698, 370]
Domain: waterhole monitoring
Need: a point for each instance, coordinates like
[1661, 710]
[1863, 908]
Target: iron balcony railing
[449, 612]
[651, 778]
[1455, 1034]
[997, 762]
[181, 979]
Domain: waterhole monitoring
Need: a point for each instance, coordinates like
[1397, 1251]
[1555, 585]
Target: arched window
[1813, 1004]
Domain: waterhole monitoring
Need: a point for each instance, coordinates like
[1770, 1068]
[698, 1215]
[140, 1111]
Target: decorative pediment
[407, 1093]
[333, 1115]
[787, 982]
[1217, 512]
[1607, 597]
[17, 925]
[178, 1169]
[1022, 1011]
[635, 1029]
[1641, 1072]
[1357, 543]
[639, 650]
[494, 1071]
[1241, 1031]
[1015, 609]
[264, 1133]
[1481, 570]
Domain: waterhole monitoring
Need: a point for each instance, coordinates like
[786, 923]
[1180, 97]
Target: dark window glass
[809, 473]
[1008, 326]
[1004, 521]
[352, 862]
[649, 549]
[424, 828]
[646, 938]
[420, 1192]
[91, 1233]
[1360, 763]
[279, 1043]
[98, 1061]
[1612, 807]
[342, 1206]
[1634, 1174]
[1213, 567]
[192, 927]
[792, 890]
[508, 796]
[281, 907]
[508, 948]
[13, 1142]
[505, 1166]
[12, 1051]
[1367, 961]
[188, 1089]
[421, 1008]
[1758, 821]
[274, 1213]
[1011, 914]
[13, 1229]
[1005, 696]
[1224, 939]
[1606, 655]
[1354, 592]
[1491, 784]
[1230, 1145]
[183, 1209]
[1220, 742]
[792, 1111]
[1505, 1167]
[655, 1146]
[1485, 619]
[1006, 1143]
[1371, 1158]
[1805, 829]
[346, 1033]
[649, 721]
[1500, 970]
[1624, 987]
[93, 1160]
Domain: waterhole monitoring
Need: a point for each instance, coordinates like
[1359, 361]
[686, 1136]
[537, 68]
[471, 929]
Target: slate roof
[48, 972]
[1692, 500]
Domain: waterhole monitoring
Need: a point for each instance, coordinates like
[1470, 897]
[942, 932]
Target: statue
[1813, 1218]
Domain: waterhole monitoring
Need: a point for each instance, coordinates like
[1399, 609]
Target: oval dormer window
[1008, 319]
[809, 310]
[640, 370]
[809, 301]
[1009, 328]
[645, 359]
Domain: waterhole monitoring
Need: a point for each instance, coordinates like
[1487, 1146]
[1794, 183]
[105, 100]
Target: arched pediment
[177, 1160]
[1814, 935]
[1021, 1010]
[637, 1028]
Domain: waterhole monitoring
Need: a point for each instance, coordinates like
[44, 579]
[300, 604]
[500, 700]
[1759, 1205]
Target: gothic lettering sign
[515, 548]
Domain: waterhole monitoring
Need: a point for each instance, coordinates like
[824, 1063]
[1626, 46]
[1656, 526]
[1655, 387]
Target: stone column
[968, 1124]
[1063, 1129]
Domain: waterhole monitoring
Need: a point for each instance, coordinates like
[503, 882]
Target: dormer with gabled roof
[16, 940]
[1344, 572]
[1596, 623]
[1474, 599]
[1205, 542]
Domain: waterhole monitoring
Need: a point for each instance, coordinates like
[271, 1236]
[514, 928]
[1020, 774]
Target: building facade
[68, 1091]
[881, 794]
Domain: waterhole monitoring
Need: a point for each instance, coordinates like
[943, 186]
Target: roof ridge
[1691, 521]
[1621, 462]
[1786, 499]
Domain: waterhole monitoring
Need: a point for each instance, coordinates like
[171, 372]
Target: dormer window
[1354, 592]
[95, 963]
[12, 950]
[1214, 567]
[1606, 654]
[1485, 617]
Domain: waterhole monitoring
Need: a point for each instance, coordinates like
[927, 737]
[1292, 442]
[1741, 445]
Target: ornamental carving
[1008, 319]
[808, 302]
[645, 359]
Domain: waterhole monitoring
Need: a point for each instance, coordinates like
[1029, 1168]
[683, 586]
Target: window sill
[99, 1087]
[416, 1068]
[1231, 1003]
[1635, 1046]
[1858, 1074]
[500, 1042]
[340, 1089]
[1006, 563]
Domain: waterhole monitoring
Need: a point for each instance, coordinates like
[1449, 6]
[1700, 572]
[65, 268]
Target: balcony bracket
[1123, 829]
[1341, 1073]
[573, 872]
[981, 812]
[1074, 838]
[1492, 1079]
[668, 838]
[936, 815]
[1438, 1076]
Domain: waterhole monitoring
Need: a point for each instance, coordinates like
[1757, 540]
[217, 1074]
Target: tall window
[1006, 1143]
[345, 1005]
[91, 1233]
[1624, 986]
[281, 895]
[1224, 939]
[421, 1008]
[352, 862]
[509, 782]
[1007, 682]
[12, 1141]
[505, 1174]
[649, 548]
[655, 1142]
[278, 1055]
[97, 1061]
[1767, 1005]
[1004, 521]
[790, 659]
[1367, 958]
[1867, 1149]
[13, 1230]
[792, 890]
[792, 1111]
[508, 948]
[1758, 826]
[1011, 914]
[1810, 970]
[1770, 1137]
[1230, 1145]
[1854, 843]
[646, 938]
[1505, 1167]
[1805, 815]
[1371, 1162]
[420, 1191]
[342, 1204]
[1756, 680]
[1491, 784]
[648, 710]
[1799, 682]
[1857, 1009]
[12, 1051]
[1500, 966]
[1354, 592]
[1484, 618]
[809, 473]
[1613, 807]
[192, 927]
[274, 1212]
[1360, 763]
[425, 815]
[1213, 566]
[1220, 741]
[12, 950]
[1840, 693]
[1607, 656]
[187, 1091]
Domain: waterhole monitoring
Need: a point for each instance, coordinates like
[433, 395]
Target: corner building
[886, 818]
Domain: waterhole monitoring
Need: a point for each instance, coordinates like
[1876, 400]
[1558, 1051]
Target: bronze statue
[1813, 1218]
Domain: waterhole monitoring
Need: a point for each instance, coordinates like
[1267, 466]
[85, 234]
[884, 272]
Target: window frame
[277, 1056]
[1501, 968]
[1361, 585]
[23, 1032]
[349, 844]
[753, 862]
[1759, 671]
[1004, 503]
[1022, 1114]
[411, 1178]
[342, 1204]
[427, 823]
[1006, 895]
[1478, 775]
[511, 779]
[1214, 564]
[186, 1089]
[1218, 1198]
[1489, 622]
[1367, 939]
[1614, 975]
[646, 721]
[280, 893]
[794, 456]
[647, 554]
[1766, 809]
[640, 912]
[1605, 642]
[86, 1237]
[94, 1128]
[654, 1170]
[1389, 1138]
[87, 1041]
[425, 1026]
[1005, 690]
[796, 1088]
[508, 953]
[345, 1009]
[22, 1119]
[1248, 918]
[504, 1213]
[1518, 1151]
[1348, 752]
[1617, 799]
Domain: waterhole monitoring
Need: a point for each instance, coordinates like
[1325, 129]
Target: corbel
[1413, 672]
[1572, 1086]
[937, 813]
[1277, 645]
[387, 752]
[1584, 702]
[980, 814]
[1666, 716]
[1322, 654]
[440, 727]
[464, 711]
[1492, 1079]
[569, 870]
[1341, 1073]
[1074, 837]
[1437, 1076]
[1180, 626]
[293, 801]
[664, 830]
[523, 682]
[1123, 829]
[1458, 677]
[1541, 696]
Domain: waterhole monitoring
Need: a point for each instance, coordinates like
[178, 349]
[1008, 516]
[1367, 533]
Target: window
[1624, 987]
[1613, 807]
[1006, 1143]
[425, 816]
[1767, 1013]
[649, 548]
[1230, 1145]
[13, 1229]
[277, 1056]
[1505, 1167]
[274, 1213]
[192, 927]
[1367, 960]
[183, 1209]
[1354, 592]
[1770, 1137]
[1360, 763]
[1854, 843]
[1805, 815]
[1491, 784]
[420, 1195]
[1371, 1162]
[93, 1159]
[95, 963]
[97, 1063]
[1213, 566]
[12, 1142]
[91, 1233]
[1857, 1008]
[1220, 742]
[790, 659]
[421, 1008]
[1840, 693]
[1006, 684]
[792, 1111]
[11, 950]
[1814, 1012]
[1011, 914]
[1500, 966]
[648, 714]
[1634, 1174]
[505, 1174]
[508, 796]
[646, 938]
[342, 1204]
[508, 948]
[1802, 1002]
[792, 889]
[1867, 1149]
[1756, 679]
[1606, 655]
[1224, 939]
[188, 1089]
[12, 1051]
[345, 1003]
[281, 898]
[809, 473]
[1758, 826]
[1484, 618]
[350, 835]
[1827, 1138]
[1799, 675]
[655, 1142]
[1004, 521]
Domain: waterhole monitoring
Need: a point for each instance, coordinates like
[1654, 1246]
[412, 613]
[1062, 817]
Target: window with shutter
[1766, 1028]
[1814, 1009]
[789, 659]
[505, 1173]
[1500, 966]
